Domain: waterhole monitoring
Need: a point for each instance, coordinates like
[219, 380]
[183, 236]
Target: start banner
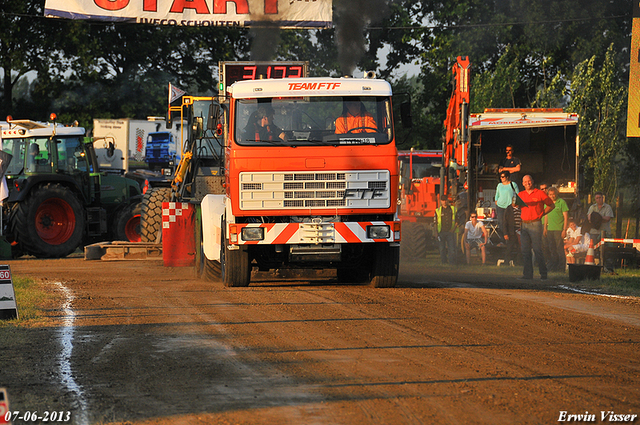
[214, 13]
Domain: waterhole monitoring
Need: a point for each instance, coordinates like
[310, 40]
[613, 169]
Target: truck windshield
[339, 120]
[422, 166]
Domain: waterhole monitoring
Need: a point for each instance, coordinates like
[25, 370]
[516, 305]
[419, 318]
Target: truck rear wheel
[385, 266]
[151, 213]
[128, 223]
[49, 223]
[235, 265]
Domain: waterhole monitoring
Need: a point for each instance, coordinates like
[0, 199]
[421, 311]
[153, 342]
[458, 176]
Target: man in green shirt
[555, 229]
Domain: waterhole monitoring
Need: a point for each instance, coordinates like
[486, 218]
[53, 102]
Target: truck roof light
[9, 118]
[53, 116]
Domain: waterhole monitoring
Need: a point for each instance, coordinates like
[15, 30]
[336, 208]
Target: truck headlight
[252, 233]
[378, 232]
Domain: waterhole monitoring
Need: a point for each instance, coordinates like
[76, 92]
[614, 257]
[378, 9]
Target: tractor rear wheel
[49, 223]
[151, 213]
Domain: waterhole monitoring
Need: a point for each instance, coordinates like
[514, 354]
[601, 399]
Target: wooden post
[619, 206]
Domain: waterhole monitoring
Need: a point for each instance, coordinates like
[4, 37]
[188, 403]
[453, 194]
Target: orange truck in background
[303, 195]
[419, 189]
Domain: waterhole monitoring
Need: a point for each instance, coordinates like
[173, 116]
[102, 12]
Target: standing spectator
[504, 194]
[555, 229]
[474, 233]
[538, 205]
[510, 164]
[512, 225]
[446, 224]
[606, 214]
[544, 187]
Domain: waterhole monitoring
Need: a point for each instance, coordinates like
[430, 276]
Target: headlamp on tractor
[378, 232]
[252, 233]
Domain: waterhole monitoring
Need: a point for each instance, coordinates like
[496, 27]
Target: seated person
[574, 234]
[32, 161]
[582, 245]
[261, 127]
[355, 118]
[475, 236]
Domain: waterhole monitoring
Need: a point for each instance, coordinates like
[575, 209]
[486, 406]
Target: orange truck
[419, 188]
[299, 193]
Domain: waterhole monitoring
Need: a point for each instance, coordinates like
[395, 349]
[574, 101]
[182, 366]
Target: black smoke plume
[351, 17]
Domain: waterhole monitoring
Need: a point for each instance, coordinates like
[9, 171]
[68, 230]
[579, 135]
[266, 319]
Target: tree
[544, 38]
[599, 97]
[497, 88]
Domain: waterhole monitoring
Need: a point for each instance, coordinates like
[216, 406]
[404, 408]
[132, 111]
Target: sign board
[8, 306]
[198, 13]
[230, 72]
[4, 406]
[633, 114]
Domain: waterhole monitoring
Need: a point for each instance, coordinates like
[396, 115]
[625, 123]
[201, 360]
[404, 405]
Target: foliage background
[534, 53]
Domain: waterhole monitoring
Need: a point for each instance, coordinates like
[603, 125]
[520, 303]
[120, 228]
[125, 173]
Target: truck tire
[235, 265]
[414, 241]
[385, 266]
[49, 223]
[198, 266]
[151, 213]
[127, 223]
[204, 268]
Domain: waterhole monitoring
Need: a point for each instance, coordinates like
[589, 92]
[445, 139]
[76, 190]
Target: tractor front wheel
[128, 223]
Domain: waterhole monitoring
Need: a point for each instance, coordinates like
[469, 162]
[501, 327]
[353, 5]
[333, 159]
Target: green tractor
[58, 198]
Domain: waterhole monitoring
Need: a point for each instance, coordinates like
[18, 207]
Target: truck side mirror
[211, 117]
[405, 114]
[196, 130]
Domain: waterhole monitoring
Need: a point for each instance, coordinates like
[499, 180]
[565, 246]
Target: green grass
[31, 298]
[620, 282]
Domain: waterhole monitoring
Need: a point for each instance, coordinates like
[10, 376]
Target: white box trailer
[124, 143]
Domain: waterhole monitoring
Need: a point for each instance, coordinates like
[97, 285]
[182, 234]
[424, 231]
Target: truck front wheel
[386, 265]
[235, 265]
[49, 223]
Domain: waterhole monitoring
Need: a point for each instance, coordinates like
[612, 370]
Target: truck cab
[308, 184]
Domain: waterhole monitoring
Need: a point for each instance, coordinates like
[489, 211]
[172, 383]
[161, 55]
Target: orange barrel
[178, 235]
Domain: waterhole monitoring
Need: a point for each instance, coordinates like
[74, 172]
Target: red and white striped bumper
[314, 233]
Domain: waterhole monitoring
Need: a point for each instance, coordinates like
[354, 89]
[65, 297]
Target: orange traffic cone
[590, 252]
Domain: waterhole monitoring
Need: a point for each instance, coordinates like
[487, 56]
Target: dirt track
[140, 343]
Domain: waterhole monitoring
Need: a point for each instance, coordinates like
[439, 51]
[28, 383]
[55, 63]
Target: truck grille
[295, 190]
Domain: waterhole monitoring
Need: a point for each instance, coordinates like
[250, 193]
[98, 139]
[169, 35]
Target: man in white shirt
[475, 236]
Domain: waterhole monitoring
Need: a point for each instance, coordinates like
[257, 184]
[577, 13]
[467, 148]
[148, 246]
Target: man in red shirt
[538, 205]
